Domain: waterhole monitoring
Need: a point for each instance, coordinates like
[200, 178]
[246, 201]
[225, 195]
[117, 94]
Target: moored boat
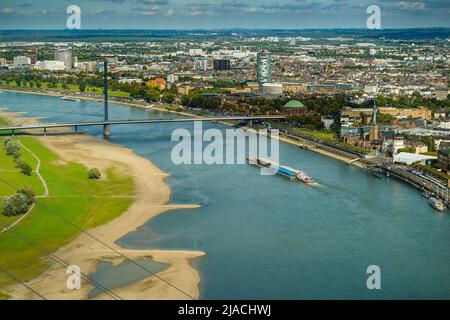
[436, 204]
[66, 98]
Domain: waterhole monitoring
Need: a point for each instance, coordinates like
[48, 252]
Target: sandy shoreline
[152, 195]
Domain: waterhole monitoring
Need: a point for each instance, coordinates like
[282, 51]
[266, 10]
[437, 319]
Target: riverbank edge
[93, 254]
[329, 154]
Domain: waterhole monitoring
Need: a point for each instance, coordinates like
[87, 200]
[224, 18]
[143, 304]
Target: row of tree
[12, 149]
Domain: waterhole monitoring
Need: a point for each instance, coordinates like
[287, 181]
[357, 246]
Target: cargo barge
[285, 171]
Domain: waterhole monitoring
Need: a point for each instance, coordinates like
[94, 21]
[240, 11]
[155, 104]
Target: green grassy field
[76, 88]
[86, 203]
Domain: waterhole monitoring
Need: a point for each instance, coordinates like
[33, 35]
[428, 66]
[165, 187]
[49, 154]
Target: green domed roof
[294, 104]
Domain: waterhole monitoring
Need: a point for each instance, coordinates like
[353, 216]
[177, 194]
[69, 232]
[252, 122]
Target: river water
[269, 238]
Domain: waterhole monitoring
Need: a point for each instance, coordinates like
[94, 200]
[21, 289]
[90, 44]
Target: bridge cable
[59, 260]
[10, 275]
[102, 242]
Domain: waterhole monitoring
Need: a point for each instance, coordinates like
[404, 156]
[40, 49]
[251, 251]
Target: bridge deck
[139, 121]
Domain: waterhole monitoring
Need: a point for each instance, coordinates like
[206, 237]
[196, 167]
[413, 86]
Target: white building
[371, 89]
[172, 78]
[201, 64]
[130, 81]
[22, 61]
[398, 143]
[64, 55]
[50, 65]
[195, 52]
[270, 88]
[86, 66]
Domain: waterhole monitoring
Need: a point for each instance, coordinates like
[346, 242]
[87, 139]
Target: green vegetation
[320, 134]
[3, 296]
[16, 204]
[329, 136]
[433, 171]
[430, 153]
[94, 174]
[85, 202]
[12, 149]
[407, 149]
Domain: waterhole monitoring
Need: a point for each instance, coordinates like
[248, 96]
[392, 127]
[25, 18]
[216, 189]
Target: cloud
[198, 4]
[235, 4]
[196, 13]
[169, 13]
[403, 5]
[24, 5]
[155, 2]
[298, 7]
[7, 11]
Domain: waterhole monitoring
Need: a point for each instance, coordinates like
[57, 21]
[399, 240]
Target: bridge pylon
[106, 127]
[106, 131]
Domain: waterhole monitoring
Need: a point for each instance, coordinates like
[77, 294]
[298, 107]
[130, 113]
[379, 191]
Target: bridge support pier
[106, 131]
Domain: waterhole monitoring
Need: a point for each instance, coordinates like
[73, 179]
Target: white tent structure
[410, 158]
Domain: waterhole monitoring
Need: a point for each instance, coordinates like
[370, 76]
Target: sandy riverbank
[152, 194]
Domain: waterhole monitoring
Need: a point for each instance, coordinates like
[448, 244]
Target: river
[269, 238]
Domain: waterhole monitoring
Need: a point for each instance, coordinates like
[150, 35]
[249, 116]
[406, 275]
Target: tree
[12, 149]
[82, 87]
[15, 205]
[94, 174]
[25, 168]
[407, 149]
[28, 192]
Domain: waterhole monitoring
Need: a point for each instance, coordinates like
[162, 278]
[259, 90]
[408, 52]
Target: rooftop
[294, 104]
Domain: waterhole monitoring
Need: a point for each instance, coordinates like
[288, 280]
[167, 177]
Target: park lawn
[76, 88]
[84, 202]
[317, 134]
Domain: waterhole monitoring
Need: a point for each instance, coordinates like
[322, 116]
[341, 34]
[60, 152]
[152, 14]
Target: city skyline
[211, 14]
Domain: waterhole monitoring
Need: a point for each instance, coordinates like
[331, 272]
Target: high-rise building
[264, 66]
[201, 64]
[222, 64]
[64, 55]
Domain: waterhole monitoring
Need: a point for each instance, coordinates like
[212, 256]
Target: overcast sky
[182, 14]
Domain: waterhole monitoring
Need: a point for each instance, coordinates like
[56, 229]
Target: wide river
[269, 238]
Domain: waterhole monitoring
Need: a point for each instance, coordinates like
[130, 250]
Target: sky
[222, 14]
